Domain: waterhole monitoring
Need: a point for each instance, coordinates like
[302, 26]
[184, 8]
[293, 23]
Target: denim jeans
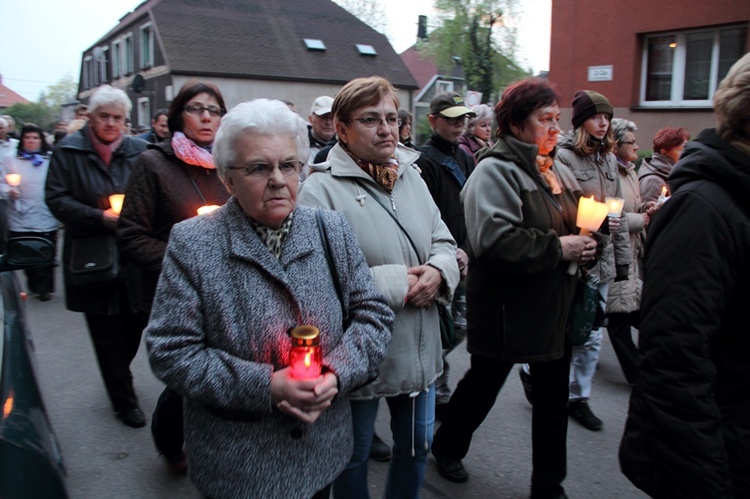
[586, 357]
[412, 424]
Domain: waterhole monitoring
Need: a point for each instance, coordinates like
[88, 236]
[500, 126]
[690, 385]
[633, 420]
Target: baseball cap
[322, 105]
[449, 105]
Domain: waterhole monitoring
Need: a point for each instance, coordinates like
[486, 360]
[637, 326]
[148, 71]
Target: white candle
[615, 206]
[13, 179]
[115, 201]
[590, 216]
[207, 209]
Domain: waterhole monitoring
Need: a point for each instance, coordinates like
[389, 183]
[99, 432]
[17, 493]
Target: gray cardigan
[218, 330]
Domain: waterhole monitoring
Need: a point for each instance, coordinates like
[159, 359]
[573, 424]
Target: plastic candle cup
[305, 356]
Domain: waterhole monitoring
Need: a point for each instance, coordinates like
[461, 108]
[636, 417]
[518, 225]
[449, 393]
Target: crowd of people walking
[288, 274]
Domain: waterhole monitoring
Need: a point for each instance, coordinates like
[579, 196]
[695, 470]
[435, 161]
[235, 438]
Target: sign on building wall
[600, 73]
[473, 98]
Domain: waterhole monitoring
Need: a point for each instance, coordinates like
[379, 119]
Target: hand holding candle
[590, 216]
[115, 202]
[662, 197]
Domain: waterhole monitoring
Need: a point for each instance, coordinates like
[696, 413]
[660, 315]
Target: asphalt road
[106, 459]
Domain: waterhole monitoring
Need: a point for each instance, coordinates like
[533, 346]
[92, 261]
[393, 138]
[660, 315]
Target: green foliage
[35, 112]
[62, 92]
[47, 110]
[475, 31]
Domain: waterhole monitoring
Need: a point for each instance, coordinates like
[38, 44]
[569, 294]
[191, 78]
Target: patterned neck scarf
[274, 238]
[385, 175]
[189, 152]
[545, 168]
[33, 156]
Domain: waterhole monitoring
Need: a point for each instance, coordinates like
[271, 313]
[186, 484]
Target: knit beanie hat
[586, 104]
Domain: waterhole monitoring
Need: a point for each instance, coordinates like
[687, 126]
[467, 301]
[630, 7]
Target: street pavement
[106, 459]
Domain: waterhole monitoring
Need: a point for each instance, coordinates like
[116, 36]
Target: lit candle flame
[115, 202]
[663, 190]
[615, 206]
[8, 405]
[207, 209]
[308, 357]
[13, 179]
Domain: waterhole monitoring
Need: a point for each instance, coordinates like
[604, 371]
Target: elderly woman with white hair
[234, 285]
[86, 168]
[688, 427]
[478, 131]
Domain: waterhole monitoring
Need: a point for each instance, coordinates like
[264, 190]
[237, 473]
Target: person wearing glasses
[445, 167]
[624, 297]
[86, 168]
[520, 207]
[234, 283]
[374, 181]
[170, 182]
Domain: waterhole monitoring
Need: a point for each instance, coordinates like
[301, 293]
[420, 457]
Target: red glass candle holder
[305, 358]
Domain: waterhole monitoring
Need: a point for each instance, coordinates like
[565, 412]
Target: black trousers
[476, 394]
[167, 428]
[40, 280]
[116, 340]
[618, 328]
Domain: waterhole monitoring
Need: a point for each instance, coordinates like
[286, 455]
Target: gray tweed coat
[218, 330]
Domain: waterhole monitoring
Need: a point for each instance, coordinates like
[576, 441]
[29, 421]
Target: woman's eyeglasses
[376, 121]
[198, 110]
[263, 170]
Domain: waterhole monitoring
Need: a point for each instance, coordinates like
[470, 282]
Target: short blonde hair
[361, 92]
[483, 113]
[732, 101]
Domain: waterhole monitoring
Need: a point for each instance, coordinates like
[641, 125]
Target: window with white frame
[147, 46]
[127, 54]
[102, 64]
[144, 112]
[87, 72]
[683, 69]
[443, 86]
[116, 59]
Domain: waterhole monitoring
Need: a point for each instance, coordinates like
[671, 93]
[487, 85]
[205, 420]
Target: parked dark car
[31, 465]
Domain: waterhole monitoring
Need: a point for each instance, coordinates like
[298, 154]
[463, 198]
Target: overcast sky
[42, 40]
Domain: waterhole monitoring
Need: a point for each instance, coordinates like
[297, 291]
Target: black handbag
[94, 261]
[586, 313]
[448, 335]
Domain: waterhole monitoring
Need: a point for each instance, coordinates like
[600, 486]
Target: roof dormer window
[313, 44]
[366, 49]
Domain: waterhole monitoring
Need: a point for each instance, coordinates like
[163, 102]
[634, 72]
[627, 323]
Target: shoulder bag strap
[331, 262]
[406, 233]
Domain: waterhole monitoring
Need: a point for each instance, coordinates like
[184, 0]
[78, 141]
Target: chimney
[422, 28]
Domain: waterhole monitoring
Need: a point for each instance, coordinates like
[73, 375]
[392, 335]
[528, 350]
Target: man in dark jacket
[688, 427]
[159, 129]
[445, 168]
[86, 168]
